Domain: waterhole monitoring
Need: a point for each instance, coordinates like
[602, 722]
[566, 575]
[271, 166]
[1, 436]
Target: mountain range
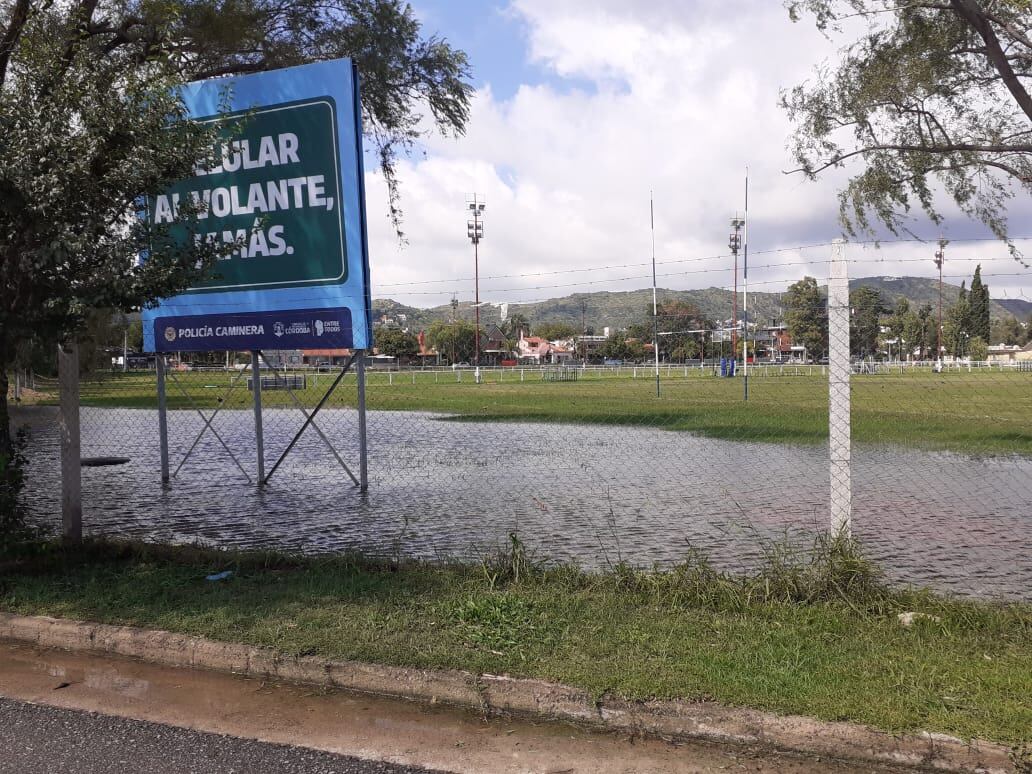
[622, 308]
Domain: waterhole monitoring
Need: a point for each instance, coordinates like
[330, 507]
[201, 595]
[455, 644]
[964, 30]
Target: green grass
[817, 636]
[982, 413]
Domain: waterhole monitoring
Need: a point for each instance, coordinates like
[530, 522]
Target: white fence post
[838, 392]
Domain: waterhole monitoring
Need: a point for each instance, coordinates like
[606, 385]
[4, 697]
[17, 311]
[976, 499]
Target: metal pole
[125, 350]
[71, 459]
[734, 306]
[745, 297]
[256, 381]
[655, 308]
[363, 448]
[159, 362]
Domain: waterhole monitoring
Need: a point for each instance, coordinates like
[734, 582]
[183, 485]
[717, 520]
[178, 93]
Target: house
[493, 345]
[325, 357]
[1004, 353]
[426, 355]
[538, 351]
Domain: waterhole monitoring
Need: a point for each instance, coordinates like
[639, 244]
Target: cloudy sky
[582, 108]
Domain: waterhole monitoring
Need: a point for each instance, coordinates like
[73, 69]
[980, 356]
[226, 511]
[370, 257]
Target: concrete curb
[500, 694]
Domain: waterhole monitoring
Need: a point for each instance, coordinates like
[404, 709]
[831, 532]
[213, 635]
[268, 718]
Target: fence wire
[584, 463]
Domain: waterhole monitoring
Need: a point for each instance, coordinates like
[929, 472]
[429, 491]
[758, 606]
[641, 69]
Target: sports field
[974, 412]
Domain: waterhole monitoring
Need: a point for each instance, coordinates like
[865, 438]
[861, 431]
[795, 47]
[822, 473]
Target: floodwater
[594, 495]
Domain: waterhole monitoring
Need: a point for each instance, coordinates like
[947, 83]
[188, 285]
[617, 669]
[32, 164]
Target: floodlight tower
[475, 232]
[735, 243]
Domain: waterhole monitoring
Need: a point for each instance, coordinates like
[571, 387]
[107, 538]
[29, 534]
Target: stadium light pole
[475, 232]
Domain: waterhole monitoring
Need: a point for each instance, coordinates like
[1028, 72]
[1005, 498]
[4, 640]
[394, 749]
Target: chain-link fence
[931, 461]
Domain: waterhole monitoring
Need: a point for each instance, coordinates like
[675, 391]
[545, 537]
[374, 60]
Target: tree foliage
[866, 307]
[85, 129]
[929, 94]
[90, 120]
[555, 331]
[806, 316]
[395, 342]
[453, 340]
[978, 298]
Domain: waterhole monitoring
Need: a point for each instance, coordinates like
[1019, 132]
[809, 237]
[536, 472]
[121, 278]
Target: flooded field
[594, 495]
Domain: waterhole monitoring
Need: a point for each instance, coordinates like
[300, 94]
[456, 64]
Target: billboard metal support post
[363, 449]
[256, 380]
[71, 460]
[159, 361]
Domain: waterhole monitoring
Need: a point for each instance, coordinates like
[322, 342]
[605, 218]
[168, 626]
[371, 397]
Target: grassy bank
[988, 412]
[815, 635]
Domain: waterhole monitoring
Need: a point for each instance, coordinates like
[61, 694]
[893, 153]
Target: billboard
[288, 195]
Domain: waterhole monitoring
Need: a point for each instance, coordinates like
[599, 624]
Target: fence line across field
[583, 461]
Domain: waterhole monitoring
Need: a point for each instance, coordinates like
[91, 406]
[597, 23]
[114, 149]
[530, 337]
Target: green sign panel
[276, 192]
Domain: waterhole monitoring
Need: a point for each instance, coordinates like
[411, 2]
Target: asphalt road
[38, 739]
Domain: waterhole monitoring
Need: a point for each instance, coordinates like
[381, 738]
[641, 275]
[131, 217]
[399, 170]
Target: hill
[622, 308]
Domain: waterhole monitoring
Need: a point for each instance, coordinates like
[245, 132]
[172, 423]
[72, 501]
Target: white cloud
[677, 98]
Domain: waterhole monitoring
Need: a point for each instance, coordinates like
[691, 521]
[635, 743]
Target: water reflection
[589, 494]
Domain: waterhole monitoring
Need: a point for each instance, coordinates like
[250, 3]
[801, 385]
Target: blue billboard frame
[313, 316]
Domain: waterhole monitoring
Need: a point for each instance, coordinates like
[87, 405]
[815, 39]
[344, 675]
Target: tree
[90, 120]
[456, 340]
[930, 93]
[514, 325]
[866, 308]
[395, 342]
[978, 350]
[555, 331]
[678, 322]
[955, 333]
[979, 303]
[919, 332]
[85, 128]
[806, 317]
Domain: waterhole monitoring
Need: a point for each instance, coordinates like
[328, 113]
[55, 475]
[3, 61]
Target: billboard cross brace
[207, 426]
[310, 418]
[315, 427]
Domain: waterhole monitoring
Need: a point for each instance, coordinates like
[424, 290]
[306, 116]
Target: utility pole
[475, 232]
[584, 330]
[940, 257]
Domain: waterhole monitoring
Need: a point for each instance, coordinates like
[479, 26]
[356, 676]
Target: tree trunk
[5, 419]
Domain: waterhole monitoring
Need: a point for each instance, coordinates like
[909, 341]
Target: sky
[586, 109]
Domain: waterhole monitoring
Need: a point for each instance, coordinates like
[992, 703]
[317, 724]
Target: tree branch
[11, 35]
[932, 149]
[971, 12]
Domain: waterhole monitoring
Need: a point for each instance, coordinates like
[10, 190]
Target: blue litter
[219, 576]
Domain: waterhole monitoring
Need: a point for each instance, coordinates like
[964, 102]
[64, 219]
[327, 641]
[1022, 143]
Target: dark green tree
[979, 302]
[90, 120]
[955, 333]
[925, 95]
[395, 342]
[453, 340]
[806, 317]
[866, 307]
[85, 129]
[554, 331]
